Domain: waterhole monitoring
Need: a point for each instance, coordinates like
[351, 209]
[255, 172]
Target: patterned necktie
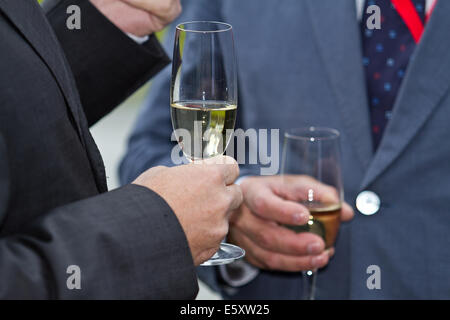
[386, 54]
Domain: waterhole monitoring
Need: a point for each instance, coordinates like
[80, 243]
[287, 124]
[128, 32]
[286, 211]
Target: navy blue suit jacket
[300, 64]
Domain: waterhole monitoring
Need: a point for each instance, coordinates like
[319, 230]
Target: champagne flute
[203, 98]
[315, 152]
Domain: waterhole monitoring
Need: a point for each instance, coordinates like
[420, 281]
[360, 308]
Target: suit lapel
[426, 82]
[28, 18]
[337, 34]
[30, 21]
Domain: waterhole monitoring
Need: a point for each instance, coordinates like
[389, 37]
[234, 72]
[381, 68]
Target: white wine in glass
[203, 98]
[212, 120]
[315, 152]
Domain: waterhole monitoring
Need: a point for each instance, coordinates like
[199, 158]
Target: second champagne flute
[313, 153]
[203, 98]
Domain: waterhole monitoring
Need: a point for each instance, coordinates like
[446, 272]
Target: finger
[347, 212]
[331, 251]
[295, 186]
[156, 7]
[236, 195]
[302, 187]
[227, 165]
[276, 261]
[236, 237]
[276, 238]
[205, 255]
[271, 207]
[220, 159]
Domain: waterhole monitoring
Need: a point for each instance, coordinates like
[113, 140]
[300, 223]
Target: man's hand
[202, 195]
[269, 202]
[139, 17]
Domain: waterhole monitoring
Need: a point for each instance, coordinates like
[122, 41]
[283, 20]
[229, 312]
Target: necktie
[386, 54]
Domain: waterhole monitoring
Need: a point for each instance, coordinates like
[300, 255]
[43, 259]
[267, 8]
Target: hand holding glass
[203, 98]
[315, 154]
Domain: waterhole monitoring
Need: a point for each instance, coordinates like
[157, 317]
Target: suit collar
[426, 82]
[337, 34]
[30, 21]
[28, 18]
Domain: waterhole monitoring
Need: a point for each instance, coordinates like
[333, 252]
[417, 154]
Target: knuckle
[234, 166]
[271, 261]
[259, 203]
[229, 198]
[230, 160]
[165, 7]
[221, 231]
[239, 195]
[215, 175]
[265, 239]
[284, 212]
[223, 202]
[300, 265]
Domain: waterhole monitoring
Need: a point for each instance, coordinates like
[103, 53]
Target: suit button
[368, 203]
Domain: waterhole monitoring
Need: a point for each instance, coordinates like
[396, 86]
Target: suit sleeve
[127, 243]
[108, 66]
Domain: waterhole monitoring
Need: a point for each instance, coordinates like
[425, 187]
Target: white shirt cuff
[139, 40]
[238, 273]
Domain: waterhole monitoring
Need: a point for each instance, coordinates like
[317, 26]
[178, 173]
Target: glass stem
[309, 285]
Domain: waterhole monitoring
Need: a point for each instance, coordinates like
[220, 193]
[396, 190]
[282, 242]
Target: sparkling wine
[324, 221]
[208, 127]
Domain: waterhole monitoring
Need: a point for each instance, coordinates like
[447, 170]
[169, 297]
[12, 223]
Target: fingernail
[330, 252]
[301, 218]
[318, 261]
[314, 248]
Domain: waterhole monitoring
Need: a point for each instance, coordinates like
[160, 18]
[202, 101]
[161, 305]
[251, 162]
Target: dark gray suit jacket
[54, 208]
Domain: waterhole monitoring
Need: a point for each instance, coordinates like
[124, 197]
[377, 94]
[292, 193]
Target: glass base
[226, 254]
[309, 285]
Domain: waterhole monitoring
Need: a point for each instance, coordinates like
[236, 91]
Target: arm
[108, 66]
[123, 241]
[107, 237]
